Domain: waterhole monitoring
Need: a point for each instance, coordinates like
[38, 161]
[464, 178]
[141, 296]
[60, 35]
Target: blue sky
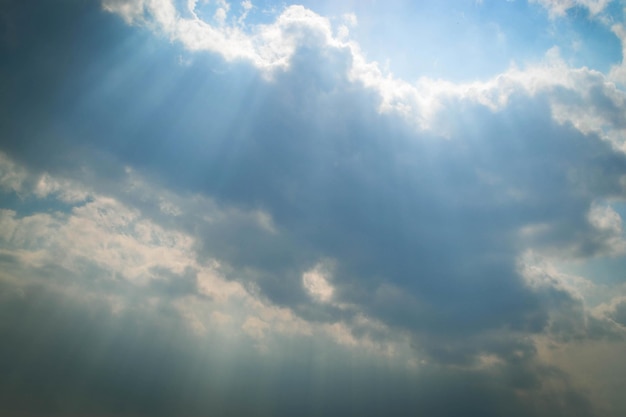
[318, 208]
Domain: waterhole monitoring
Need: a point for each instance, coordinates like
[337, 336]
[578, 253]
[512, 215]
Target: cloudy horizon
[315, 208]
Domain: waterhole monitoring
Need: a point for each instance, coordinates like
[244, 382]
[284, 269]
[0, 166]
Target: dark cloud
[75, 357]
[70, 356]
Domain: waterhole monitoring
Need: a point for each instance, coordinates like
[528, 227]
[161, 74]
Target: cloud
[272, 46]
[446, 231]
[618, 71]
[269, 49]
[619, 313]
[104, 245]
[280, 217]
[558, 8]
[316, 283]
[162, 368]
[614, 309]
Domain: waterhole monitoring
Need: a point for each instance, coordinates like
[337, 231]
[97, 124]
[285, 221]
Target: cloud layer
[207, 213]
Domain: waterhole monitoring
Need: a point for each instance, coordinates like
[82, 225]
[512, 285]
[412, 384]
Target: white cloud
[605, 218]
[222, 11]
[618, 72]
[271, 46]
[12, 176]
[558, 8]
[131, 11]
[103, 232]
[246, 6]
[350, 19]
[316, 283]
[65, 190]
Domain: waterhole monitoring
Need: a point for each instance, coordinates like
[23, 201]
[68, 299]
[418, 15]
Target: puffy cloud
[316, 283]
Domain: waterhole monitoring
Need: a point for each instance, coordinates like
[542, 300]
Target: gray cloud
[73, 357]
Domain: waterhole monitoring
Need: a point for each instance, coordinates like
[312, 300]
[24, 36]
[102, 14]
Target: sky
[324, 208]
